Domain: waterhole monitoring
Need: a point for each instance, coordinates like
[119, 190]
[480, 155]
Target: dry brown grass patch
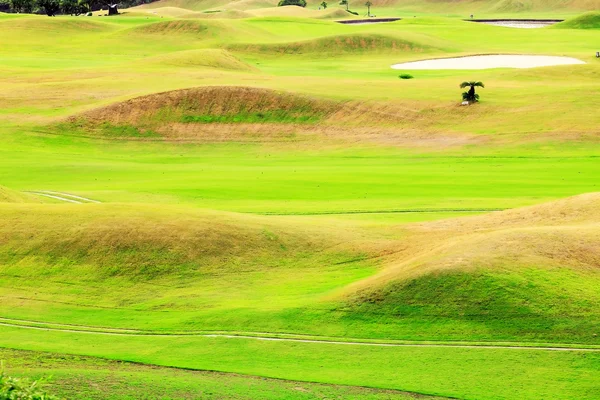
[563, 233]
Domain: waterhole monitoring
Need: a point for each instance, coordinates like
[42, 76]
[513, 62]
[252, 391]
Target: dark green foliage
[69, 7]
[21, 389]
[470, 95]
[324, 5]
[299, 3]
[50, 7]
[345, 3]
[22, 6]
[72, 7]
[405, 76]
[4, 5]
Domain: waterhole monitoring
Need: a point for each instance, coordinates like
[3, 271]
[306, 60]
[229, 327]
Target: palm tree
[471, 96]
[345, 3]
[324, 5]
[368, 4]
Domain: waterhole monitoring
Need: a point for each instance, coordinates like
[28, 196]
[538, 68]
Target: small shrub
[470, 95]
[22, 389]
[405, 76]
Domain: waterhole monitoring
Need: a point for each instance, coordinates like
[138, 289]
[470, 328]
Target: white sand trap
[522, 25]
[489, 61]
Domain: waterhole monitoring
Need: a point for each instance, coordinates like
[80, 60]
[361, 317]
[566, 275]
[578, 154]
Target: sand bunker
[488, 62]
[518, 24]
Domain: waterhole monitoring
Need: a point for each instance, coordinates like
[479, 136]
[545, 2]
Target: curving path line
[274, 337]
[66, 197]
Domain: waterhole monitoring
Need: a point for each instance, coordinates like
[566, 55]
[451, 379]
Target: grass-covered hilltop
[206, 199]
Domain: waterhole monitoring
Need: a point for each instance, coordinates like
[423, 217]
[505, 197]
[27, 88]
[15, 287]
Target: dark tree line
[67, 7]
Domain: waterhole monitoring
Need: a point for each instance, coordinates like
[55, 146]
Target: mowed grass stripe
[396, 211]
[287, 338]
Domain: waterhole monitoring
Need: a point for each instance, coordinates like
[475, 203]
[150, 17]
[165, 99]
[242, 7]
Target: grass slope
[499, 276]
[589, 20]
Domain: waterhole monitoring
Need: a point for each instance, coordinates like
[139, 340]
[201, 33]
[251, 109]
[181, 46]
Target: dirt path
[69, 198]
[274, 337]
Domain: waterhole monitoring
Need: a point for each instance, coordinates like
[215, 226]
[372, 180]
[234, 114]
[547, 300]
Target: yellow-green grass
[11, 196]
[493, 277]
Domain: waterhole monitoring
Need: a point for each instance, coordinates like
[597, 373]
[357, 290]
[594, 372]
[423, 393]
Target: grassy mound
[211, 58]
[193, 5]
[589, 20]
[523, 272]
[227, 14]
[528, 274]
[245, 5]
[339, 44]
[146, 243]
[164, 114]
[513, 238]
[180, 27]
[293, 11]
[176, 12]
[171, 259]
[55, 27]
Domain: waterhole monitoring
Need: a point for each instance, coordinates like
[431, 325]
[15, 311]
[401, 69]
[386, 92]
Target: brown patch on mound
[168, 107]
[292, 117]
[340, 44]
[563, 233]
[325, 134]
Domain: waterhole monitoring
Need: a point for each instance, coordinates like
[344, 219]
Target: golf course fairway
[235, 200]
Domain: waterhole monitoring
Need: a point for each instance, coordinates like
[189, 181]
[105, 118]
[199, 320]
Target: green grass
[88, 378]
[232, 176]
[256, 210]
[459, 373]
[589, 20]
